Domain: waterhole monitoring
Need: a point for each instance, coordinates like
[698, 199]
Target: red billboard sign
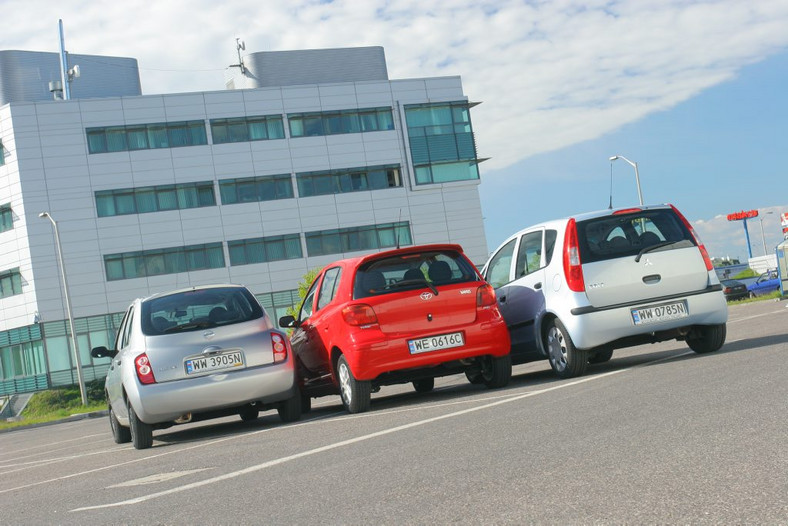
[738, 216]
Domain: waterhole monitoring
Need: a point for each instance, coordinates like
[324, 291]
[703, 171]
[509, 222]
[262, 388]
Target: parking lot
[658, 434]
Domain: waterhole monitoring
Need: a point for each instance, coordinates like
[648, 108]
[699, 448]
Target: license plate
[214, 362]
[436, 343]
[658, 313]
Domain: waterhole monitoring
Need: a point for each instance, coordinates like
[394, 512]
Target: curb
[71, 418]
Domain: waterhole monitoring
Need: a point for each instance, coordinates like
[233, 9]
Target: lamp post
[68, 308]
[637, 175]
[763, 236]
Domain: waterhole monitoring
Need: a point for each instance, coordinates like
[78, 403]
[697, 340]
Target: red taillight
[144, 371]
[485, 296]
[703, 252]
[573, 269]
[279, 346]
[359, 314]
[627, 211]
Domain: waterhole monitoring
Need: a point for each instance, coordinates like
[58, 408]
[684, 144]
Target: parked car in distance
[766, 283]
[405, 315]
[194, 354]
[575, 289]
[734, 290]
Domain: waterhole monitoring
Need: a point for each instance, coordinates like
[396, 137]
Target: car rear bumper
[590, 328]
[376, 354]
[167, 401]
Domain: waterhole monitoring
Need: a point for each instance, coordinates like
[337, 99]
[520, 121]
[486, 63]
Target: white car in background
[574, 289]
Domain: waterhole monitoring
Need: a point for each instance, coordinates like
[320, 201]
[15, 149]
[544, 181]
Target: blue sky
[691, 90]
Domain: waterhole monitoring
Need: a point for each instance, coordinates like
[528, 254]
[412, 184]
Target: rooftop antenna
[240, 45]
[67, 75]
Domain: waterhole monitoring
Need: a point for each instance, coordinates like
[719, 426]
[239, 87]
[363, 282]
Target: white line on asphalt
[757, 316]
[282, 460]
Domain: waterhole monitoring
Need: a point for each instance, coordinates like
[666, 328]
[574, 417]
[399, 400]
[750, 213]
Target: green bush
[64, 400]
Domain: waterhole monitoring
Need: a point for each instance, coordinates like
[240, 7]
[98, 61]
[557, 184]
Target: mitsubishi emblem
[647, 262]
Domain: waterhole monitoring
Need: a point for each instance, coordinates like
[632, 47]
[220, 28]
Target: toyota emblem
[426, 295]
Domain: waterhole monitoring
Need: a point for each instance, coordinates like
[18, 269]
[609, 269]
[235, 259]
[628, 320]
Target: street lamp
[68, 308]
[637, 175]
[763, 237]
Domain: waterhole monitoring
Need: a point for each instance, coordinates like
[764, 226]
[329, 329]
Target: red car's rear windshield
[412, 271]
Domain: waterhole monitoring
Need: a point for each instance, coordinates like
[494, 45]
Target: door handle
[538, 286]
[502, 299]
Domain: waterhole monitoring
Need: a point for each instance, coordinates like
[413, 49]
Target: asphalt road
[658, 435]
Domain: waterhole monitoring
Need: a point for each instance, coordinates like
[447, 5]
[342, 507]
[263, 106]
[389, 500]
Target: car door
[524, 295]
[114, 382]
[314, 324]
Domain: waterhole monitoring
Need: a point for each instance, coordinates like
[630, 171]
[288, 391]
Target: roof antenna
[610, 205]
[240, 45]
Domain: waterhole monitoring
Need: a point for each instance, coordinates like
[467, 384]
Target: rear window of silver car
[629, 234]
[198, 309]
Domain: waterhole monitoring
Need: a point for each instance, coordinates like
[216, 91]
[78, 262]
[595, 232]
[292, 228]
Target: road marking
[156, 479]
[757, 316]
[343, 443]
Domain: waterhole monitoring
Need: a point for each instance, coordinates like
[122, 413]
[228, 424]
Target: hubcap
[344, 383]
[556, 348]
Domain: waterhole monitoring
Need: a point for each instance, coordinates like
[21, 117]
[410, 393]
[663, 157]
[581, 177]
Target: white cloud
[550, 73]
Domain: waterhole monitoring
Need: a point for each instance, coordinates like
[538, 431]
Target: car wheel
[474, 377]
[356, 394]
[496, 371]
[290, 409]
[424, 385]
[120, 434]
[708, 338]
[752, 295]
[141, 433]
[566, 360]
[601, 354]
[248, 413]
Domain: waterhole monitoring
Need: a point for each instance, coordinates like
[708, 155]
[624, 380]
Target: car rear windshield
[630, 234]
[412, 271]
[198, 309]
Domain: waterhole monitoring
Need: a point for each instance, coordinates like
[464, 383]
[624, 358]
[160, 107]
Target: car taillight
[144, 371]
[573, 269]
[701, 247]
[485, 296]
[279, 347]
[359, 314]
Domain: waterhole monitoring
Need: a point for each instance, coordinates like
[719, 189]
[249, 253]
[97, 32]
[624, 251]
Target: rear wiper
[189, 326]
[653, 247]
[407, 282]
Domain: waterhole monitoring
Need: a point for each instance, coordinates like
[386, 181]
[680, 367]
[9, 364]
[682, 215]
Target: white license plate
[436, 343]
[214, 362]
[658, 313]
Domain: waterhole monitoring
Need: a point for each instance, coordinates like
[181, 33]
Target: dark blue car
[766, 283]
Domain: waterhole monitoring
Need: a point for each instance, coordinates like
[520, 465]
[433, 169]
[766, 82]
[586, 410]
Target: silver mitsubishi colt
[573, 290]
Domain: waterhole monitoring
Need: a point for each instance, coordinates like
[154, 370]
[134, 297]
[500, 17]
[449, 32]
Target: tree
[303, 288]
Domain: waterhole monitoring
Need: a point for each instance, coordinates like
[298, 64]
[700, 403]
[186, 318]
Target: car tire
[601, 354]
[290, 409]
[424, 385]
[356, 394]
[248, 413]
[120, 434]
[710, 338]
[496, 371]
[566, 360]
[141, 433]
[474, 377]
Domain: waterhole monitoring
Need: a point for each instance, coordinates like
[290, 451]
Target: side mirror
[102, 352]
[288, 322]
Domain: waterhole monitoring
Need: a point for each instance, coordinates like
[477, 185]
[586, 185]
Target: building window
[353, 239]
[2, 154]
[348, 180]
[264, 249]
[6, 218]
[244, 129]
[146, 136]
[10, 283]
[338, 122]
[146, 199]
[129, 265]
[255, 189]
[441, 141]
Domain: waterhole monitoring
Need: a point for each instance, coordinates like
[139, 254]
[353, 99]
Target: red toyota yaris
[405, 315]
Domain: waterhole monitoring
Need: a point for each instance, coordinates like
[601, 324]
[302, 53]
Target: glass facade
[338, 122]
[255, 189]
[142, 263]
[10, 283]
[244, 129]
[146, 136]
[368, 237]
[146, 199]
[441, 142]
[6, 218]
[348, 180]
[264, 249]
